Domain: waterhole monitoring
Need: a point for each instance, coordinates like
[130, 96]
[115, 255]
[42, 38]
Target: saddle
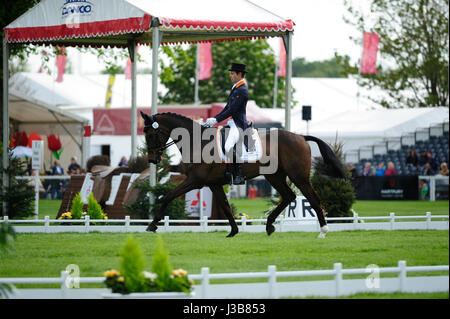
[253, 148]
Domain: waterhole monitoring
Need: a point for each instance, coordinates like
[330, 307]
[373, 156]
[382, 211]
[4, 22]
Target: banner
[205, 61]
[369, 53]
[282, 60]
[128, 66]
[61, 63]
[108, 99]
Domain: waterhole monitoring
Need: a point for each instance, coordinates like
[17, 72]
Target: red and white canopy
[115, 22]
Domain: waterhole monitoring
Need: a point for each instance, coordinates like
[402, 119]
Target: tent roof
[115, 22]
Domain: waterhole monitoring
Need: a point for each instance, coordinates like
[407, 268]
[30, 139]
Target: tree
[413, 49]
[318, 69]
[178, 73]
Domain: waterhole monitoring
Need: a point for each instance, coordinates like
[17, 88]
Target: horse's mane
[180, 117]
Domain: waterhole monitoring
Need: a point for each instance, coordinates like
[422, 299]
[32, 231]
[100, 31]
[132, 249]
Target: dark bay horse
[289, 151]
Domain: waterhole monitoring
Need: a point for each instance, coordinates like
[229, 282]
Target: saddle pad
[253, 155]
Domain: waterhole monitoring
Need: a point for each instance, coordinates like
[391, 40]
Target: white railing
[339, 286]
[282, 224]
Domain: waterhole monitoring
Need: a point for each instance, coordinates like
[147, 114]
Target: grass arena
[96, 252]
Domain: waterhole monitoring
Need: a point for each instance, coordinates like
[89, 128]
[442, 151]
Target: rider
[235, 112]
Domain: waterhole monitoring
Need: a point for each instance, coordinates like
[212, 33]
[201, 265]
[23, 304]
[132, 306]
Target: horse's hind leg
[304, 185]
[278, 181]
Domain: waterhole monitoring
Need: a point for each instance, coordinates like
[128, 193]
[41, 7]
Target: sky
[319, 31]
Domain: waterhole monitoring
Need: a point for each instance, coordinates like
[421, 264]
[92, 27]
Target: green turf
[47, 254]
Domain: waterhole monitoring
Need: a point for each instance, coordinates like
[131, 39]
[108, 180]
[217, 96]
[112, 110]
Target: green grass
[44, 255]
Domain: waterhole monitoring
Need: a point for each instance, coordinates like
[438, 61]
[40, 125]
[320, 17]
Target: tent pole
[156, 40]
[288, 46]
[132, 52]
[5, 120]
[197, 60]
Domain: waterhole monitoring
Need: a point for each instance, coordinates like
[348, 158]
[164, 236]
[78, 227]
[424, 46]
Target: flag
[87, 131]
[369, 53]
[205, 61]
[282, 58]
[109, 89]
[128, 67]
[61, 63]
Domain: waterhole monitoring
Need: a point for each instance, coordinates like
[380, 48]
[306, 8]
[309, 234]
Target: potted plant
[132, 281]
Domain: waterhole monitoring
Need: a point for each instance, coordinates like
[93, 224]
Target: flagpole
[275, 86]
[197, 60]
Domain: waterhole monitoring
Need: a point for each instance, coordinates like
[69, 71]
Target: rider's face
[235, 77]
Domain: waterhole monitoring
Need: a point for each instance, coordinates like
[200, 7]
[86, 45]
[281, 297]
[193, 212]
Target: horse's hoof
[323, 231]
[232, 233]
[152, 227]
[270, 229]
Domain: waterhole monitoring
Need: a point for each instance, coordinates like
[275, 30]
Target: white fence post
[5, 218]
[338, 278]
[272, 270]
[47, 224]
[127, 223]
[166, 223]
[205, 282]
[402, 275]
[428, 220]
[243, 223]
[392, 220]
[86, 223]
[64, 288]
[355, 220]
[205, 223]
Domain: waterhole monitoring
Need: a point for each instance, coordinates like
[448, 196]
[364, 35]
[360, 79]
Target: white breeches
[233, 136]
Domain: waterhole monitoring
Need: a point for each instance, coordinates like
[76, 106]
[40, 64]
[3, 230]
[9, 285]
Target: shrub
[77, 207]
[94, 209]
[132, 265]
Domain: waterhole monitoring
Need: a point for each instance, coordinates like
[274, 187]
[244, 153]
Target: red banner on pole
[128, 66]
[205, 61]
[61, 64]
[282, 58]
[369, 53]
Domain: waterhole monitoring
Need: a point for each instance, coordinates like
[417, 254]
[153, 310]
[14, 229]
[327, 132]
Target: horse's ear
[145, 116]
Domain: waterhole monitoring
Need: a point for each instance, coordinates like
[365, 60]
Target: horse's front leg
[181, 189]
[221, 198]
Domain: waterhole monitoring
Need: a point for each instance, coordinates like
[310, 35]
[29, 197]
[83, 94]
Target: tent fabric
[114, 22]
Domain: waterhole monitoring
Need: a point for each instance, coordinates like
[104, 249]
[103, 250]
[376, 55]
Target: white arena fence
[271, 288]
[282, 224]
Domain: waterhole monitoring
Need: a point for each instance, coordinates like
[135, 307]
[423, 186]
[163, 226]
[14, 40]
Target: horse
[290, 151]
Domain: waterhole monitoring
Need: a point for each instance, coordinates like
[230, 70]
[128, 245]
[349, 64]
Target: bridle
[158, 149]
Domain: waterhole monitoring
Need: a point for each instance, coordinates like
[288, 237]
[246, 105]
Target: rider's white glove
[210, 121]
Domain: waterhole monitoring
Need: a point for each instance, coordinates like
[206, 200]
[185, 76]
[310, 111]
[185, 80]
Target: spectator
[123, 161]
[423, 188]
[380, 170]
[56, 184]
[390, 171]
[433, 163]
[423, 158]
[412, 157]
[368, 171]
[74, 167]
[427, 170]
[444, 169]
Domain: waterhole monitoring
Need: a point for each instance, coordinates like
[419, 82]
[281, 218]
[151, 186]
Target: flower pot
[149, 295]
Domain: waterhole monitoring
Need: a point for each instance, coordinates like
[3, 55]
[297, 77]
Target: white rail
[269, 289]
[391, 222]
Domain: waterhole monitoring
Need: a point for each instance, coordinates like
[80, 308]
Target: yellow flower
[105, 217]
[111, 273]
[120, 279]
[179, 272]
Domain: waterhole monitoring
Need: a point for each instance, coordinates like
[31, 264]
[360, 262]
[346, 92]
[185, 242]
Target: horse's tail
[331, 160]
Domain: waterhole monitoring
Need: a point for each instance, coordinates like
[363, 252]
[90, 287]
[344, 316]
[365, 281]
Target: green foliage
[318, 69]
[94, 209]
[77, 207]
[18, 196]
[178, 74]
[413, 50]
[132, 265]
[336, 195]
[160, 265]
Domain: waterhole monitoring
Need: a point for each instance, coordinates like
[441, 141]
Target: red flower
[54, 143]
[19, 139]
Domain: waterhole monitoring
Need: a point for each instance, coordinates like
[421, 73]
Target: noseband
[157, 148]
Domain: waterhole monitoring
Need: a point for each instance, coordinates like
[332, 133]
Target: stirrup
[238, 179]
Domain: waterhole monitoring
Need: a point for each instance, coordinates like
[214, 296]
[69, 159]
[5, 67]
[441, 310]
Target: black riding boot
[229, 173]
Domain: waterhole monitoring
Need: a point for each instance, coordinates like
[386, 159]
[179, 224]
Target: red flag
[87, 131]
[128, 67]
[369, 54]
[61, 63]
[205, 61]
[282, 57]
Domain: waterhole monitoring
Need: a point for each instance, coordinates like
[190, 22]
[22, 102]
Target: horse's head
[155, 139]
